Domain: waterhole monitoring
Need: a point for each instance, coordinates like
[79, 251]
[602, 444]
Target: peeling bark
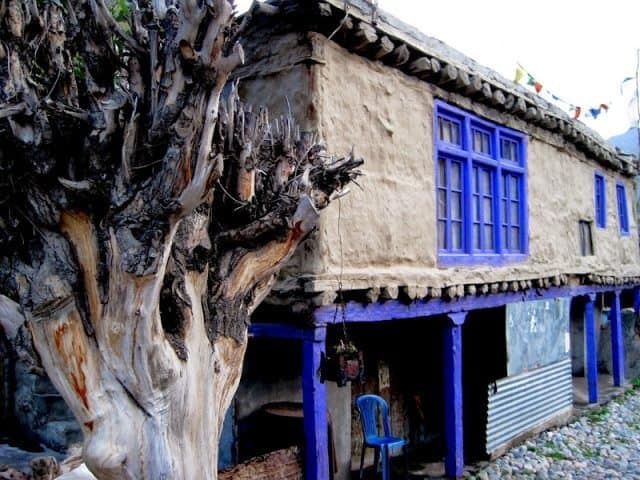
[143, 217]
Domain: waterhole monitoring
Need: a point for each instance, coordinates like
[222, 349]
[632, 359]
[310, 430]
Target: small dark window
[586, 240]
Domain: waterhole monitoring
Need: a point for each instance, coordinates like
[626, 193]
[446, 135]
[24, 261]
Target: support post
[591, 347]
[314, 398]
[454, 431]
[617, 340]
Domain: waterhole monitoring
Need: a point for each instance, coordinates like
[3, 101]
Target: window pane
[474, 180]
[505, 186]
[449, 131]
[456, 235]
[442, 203]
[456, 175]
[481, 141]
[505, 238]
[515, 188]
[476, 208]
[476, 236]
[488, 237]
[504, 212]
[509, 150]
[486, 181]
[442, 238]
[456, 206]
[515, 213]
[442, 172]
[515, 238]
[622, 209]
[586, 241]
[488, 209]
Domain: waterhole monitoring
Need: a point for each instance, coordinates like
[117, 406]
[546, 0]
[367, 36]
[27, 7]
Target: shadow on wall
[631, 333]
[31, 409]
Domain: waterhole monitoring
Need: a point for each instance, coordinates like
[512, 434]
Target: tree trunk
[143, 219]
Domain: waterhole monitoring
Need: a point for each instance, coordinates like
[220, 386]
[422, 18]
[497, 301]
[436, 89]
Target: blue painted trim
[454, 429]
[623, 213]
[600, 199]
[451, 260]
[636, 300]
[500, 254]
[617, 340]
[591, 348]
[278, 330]
[314, 404]
[397, 310]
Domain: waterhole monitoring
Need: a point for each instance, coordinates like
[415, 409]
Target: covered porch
[452, 315]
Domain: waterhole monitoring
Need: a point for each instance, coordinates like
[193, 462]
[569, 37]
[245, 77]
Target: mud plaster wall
[388, 227]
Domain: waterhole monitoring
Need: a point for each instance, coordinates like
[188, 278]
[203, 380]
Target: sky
[579, 50]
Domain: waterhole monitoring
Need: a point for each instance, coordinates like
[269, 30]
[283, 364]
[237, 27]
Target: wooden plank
[314, 398]
[420, 67]
[364, 36]
[383, 48]
[591, 350]
[448, 74]
[400, 55]
[394, 309]
[617, 340]
[463, 81]
[454, 428]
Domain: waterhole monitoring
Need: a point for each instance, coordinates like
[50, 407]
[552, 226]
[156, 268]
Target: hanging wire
[340, 305]
[344, 19]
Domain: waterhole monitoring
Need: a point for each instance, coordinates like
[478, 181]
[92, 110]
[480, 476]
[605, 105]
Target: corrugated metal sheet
[523, 401]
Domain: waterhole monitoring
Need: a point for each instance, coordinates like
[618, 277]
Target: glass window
[481, 141]
[586, 240]
[622, 209]
[449, 130]
[481, 202]
[601, 209]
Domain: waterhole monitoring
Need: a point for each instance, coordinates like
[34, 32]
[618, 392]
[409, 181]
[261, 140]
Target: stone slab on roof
[361, 27]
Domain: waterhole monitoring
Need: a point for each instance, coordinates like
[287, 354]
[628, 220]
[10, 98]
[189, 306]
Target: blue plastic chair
[370, 406]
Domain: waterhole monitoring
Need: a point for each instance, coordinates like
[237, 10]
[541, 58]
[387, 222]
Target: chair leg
[385, 462]
[376, 460]
[362, 462]
[406, 462]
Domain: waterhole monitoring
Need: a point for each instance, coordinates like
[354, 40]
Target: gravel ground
[603, 444]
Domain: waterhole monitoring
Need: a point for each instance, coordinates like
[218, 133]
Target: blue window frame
[480, 189]
[600, 199]
[623, 216]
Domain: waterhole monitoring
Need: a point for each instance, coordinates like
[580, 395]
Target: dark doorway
[484, 348]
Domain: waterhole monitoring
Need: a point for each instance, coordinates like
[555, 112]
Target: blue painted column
[314, 398]
[636, 300]
[591, 348]
[617, 340]
[454, 432]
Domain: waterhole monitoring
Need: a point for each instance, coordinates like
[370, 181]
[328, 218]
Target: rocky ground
[602, 444]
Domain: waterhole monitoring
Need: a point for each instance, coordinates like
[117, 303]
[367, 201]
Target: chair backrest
[369, 407]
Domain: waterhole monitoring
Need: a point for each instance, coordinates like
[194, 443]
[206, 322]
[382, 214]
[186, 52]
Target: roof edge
[364, 29]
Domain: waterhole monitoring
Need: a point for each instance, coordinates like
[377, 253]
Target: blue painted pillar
[314, 398]
[454, 432]
[591, 348]
[617, 340]
[636, 300]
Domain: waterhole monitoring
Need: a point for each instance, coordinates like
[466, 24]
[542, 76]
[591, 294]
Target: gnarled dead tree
[144, 214]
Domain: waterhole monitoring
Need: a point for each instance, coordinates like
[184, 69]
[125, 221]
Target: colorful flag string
[576, 110]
